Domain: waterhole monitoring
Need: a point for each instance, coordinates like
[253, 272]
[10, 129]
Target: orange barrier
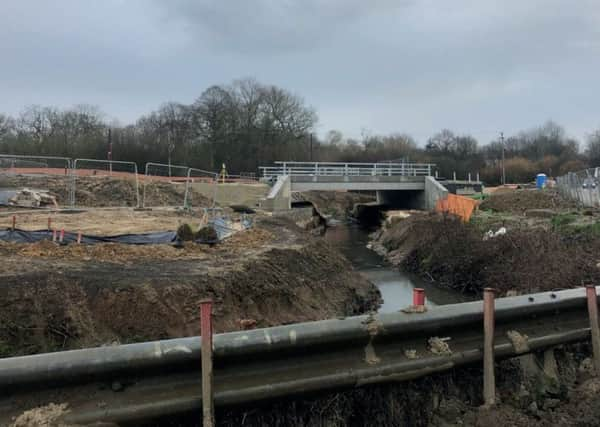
[457, 205]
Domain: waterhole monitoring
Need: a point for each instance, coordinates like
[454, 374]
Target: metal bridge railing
[346, 169]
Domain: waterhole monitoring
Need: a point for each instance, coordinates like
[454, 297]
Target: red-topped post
[418, 297]
[489, 380]
[592, 303]
[208, 408]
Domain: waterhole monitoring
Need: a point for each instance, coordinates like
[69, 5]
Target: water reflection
[395, 286]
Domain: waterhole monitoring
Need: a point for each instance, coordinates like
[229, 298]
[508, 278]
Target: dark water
[395, 286]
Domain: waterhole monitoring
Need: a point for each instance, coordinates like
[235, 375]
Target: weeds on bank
[562, 220]
[566, 224]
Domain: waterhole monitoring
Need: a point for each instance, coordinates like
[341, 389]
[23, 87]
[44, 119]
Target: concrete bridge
[400, 185]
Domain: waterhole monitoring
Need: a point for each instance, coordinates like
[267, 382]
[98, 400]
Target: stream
[395, 286]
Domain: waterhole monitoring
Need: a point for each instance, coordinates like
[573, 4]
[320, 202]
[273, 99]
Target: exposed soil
[105, 222]
[519, 201]
[63, 297]
[528, 396]
[336, 204]
[453, 254]
[106, 191]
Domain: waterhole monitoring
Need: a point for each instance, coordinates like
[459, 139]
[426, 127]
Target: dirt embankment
[519, 201]
[560, 251]
[55, 297]
[529, 394]
[105, 191]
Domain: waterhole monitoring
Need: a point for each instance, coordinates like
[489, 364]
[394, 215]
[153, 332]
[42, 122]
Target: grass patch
[592, 229]
[562, 220]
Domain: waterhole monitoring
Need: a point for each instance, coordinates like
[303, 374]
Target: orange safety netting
[457, 205]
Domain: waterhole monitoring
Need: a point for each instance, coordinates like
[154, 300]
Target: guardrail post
[469, 176]
[477, 176]
[592, 303]
[208, 408]
[489, 380]
[454, 176]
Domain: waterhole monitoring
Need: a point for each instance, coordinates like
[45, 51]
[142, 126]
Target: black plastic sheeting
[220, 225]
[22, 236]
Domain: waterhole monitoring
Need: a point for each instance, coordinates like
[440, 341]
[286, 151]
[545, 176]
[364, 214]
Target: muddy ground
[55, 298]
[557, 251]
[63, 297]
[528, 396]
[101, 221]
[106, 191]
[547, 243]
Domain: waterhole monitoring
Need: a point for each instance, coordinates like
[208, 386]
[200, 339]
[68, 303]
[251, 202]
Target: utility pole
[503, 170]
[110, 150]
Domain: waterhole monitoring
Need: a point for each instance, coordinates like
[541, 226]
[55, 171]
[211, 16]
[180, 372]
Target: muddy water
[395, 286]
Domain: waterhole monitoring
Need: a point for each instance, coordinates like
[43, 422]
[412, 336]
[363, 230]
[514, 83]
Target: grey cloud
[406, 65]
[270, 26]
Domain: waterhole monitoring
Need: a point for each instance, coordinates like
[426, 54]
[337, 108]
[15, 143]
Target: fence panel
[202, 188]
[104, 183]
[164, 185]
[46, 175]
[582, 187]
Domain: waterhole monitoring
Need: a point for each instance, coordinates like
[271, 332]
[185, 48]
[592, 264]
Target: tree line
[247, 124]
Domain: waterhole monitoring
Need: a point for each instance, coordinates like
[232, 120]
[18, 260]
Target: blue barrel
[540, 180]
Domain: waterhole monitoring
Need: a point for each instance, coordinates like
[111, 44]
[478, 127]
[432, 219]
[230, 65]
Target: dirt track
[101, 221]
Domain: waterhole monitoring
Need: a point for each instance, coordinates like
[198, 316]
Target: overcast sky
[377, 66]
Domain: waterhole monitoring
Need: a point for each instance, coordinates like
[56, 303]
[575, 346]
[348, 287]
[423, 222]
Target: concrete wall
[357, 183]
[433, 192]
[280, 195]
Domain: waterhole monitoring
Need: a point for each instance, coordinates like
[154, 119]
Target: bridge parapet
[294, 169]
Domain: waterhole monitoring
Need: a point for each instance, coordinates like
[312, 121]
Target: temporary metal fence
[204, 177]
[171, 178]
[96, 174]
[43, 173]
[84, 182]
[346, 169]
[582, 186]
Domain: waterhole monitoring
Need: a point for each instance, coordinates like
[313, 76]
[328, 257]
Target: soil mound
[64, 297]
[105, 191]
[519, 201]
[456, 255]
